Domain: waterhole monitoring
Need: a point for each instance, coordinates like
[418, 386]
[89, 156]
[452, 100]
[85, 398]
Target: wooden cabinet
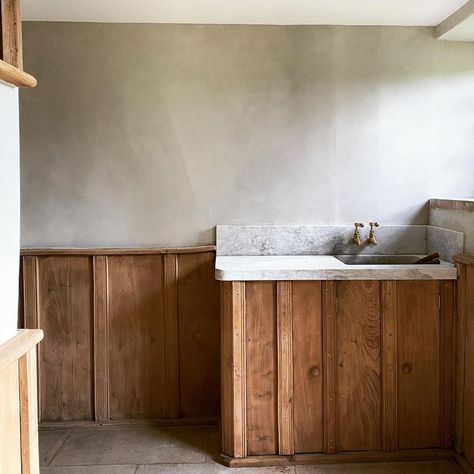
[335, 366]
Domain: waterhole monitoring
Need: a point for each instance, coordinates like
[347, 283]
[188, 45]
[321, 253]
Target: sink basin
[378, 259]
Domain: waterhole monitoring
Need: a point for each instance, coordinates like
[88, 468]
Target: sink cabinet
[322, 368]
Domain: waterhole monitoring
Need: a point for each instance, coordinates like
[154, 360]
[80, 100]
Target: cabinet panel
[260, 309]
[418, 364]
[358, 365]
[307, 366]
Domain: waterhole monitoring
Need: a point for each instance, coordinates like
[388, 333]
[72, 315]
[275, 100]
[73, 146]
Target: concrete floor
[173, 450]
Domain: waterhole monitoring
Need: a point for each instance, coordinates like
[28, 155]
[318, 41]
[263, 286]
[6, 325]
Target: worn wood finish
[198, 308]
[18, 404]
[233, 369]
[329, 366]
[115, 251]
[11, 41]
[418, 364]
[160, 317]
[285, 368]
[66, 316]
[389, 366]
[306, 302]
[358, 365]
[136, 337]
[260, 310]
[16, 77]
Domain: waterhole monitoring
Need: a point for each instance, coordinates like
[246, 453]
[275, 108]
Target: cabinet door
[418, 330]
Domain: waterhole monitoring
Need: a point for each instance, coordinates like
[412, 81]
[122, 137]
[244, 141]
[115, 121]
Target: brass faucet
[356, 237]
[372, 240]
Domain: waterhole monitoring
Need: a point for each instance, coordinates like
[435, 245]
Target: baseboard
[126, 423]
[349, 457]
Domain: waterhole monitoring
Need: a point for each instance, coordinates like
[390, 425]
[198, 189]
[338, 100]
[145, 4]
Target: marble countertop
[322, 267]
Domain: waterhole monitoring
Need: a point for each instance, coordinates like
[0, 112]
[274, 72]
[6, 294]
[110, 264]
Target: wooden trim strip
[446, 361]
[285, 368]
[170, 284]
[18, 346]
[329, 366]
[389, 367]
[116, 251]
[16, 77]
[100, 349]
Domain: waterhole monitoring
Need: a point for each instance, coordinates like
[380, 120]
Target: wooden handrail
[37, 252]
[16, 77]
[12, 349]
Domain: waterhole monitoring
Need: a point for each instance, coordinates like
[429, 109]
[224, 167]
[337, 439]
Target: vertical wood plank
[233, 369]
[260, 310]
[65, 313]
[389, 366]
[418, 364]
[285, 368]
[329, 366]
[358, 365]
[30, 292]
[11, 40]
[198, 317]
[136, 336]
[170, 277]
[101, 359]
[446, 361]
[307, 362]
[28, 413]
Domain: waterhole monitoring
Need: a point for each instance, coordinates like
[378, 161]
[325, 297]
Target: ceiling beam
[458, 17]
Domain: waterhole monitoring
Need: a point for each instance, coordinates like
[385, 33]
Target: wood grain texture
[447, 300]
[136, 337]
[306, 301]
[170, 291]
[260, 309]
[116, 250]
[233, 369]
[329, 366]
[285, 368]
[418, 364]
[11, 33]
[16, 77]
[198, 315]
[389, 366]
[101, 339]
[358, 365]
[10, 438]
[65, 314]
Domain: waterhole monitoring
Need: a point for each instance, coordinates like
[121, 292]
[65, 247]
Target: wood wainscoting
[129, 333]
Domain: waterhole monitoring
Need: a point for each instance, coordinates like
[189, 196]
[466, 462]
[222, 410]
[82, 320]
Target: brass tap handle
[372, 240]
[356, 237]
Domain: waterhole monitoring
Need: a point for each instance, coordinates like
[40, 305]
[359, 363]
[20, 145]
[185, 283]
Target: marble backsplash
[334, 240]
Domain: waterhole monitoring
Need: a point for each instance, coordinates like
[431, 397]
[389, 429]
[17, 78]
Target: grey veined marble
[444, 241]
[318, 240]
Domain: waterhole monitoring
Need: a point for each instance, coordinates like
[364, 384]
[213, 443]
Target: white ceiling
[284, 12]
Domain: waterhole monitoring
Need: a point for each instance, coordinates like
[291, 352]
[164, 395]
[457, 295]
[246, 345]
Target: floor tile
[134, 446]
[359, 468]
[213, 449]
[49, 444]
[435, 467]
[89, 469]
[210, 468]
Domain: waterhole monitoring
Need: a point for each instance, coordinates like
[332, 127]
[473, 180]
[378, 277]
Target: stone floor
[173, 450]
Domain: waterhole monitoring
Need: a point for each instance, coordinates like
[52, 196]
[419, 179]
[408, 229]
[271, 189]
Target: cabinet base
[348, 457]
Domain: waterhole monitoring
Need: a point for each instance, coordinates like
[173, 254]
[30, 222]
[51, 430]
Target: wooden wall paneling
[29, 413]
[11, 41]
[29, 273]
[447, 309]
[261, 358]
[389, 366]
[358, 365]
[198, 316]
[468, 414]
[101, 353]
[136, 337]
[285, 368]
[170, 281]
[418, 364]
[233, 369]
[329, 366]
[306, 303]
[65, 314]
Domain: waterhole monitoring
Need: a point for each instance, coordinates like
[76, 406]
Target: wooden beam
[11, 33]
[16, 77]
